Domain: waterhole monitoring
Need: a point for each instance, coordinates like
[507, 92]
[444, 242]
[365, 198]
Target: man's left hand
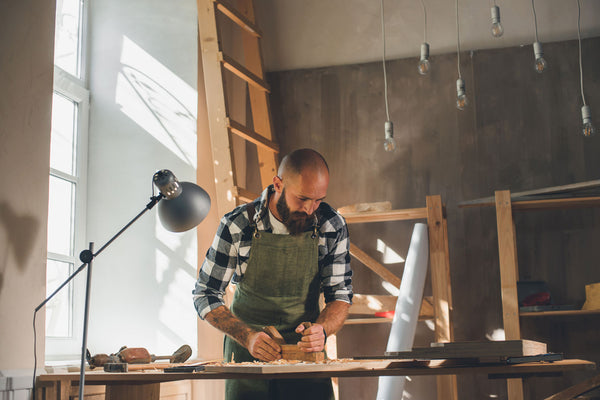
[313, 338]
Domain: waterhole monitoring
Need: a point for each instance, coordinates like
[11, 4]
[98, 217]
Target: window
[66, 207]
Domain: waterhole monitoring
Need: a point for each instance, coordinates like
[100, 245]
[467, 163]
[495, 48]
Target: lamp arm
[86, 256]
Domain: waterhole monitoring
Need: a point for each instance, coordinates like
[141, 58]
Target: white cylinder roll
[406, 314]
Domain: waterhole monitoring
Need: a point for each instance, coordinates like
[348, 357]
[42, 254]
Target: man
[281, 250]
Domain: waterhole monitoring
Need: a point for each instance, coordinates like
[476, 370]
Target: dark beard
[296, 222]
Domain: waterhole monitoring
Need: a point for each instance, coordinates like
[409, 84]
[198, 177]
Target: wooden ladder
[215, 17]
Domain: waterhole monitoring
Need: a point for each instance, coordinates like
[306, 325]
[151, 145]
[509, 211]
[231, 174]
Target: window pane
[62, 146]
[60, 216]
[58, 310]
[66, 37]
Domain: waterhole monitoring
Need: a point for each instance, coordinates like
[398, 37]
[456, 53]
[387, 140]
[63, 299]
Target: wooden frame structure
[569, 196]
[439, 306]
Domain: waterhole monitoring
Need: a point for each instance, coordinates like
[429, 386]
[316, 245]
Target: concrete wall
[27, 48]
[520, 132]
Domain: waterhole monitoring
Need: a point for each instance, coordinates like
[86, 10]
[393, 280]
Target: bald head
[302, 161]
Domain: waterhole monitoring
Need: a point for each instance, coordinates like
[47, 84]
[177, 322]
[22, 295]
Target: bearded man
[281, 250]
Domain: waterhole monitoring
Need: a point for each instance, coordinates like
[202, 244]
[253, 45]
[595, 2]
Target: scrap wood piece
[577, 390]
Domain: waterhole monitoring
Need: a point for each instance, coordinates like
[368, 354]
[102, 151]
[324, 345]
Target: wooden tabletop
[362, 368]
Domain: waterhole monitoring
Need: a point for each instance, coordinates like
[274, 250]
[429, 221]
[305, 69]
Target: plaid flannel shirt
[227, 258]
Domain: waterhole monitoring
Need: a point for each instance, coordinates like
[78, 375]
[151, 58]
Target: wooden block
[292, 352]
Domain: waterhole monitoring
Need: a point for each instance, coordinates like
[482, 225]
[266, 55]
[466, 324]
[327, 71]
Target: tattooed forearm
[222, 319]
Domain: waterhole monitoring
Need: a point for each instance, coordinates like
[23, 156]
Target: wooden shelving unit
[586, 194]
[439, 306]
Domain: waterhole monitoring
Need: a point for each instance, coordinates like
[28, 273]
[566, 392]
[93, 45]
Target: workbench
[146, 384]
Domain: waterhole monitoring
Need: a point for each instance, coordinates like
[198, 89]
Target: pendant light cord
[458, 42]
[534, 20]
[387, 110]
[579, 40]
[424, 22]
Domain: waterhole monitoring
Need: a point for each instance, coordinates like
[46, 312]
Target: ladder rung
[251, 136]
[243, 73]
[245, 195]
[238, 18]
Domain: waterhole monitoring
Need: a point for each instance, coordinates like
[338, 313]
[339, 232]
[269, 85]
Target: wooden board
[486, 349]
[260, 368]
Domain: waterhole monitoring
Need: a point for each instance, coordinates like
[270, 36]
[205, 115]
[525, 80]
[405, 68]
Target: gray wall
[520, 132]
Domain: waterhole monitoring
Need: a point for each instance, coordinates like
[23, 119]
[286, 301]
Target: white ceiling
[314, 33]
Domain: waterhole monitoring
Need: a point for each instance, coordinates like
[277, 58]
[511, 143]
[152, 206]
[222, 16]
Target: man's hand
[313, 338]
[261, 346]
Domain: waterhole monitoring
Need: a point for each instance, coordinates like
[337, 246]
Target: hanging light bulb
[424, 63]
[588, 129]
[497, 29]
[540, 63]
[423, 66]
[390, 144]
[461, 97]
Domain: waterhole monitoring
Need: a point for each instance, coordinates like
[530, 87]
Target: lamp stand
[87, 256]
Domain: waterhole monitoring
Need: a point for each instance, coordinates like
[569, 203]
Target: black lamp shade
[186, 210]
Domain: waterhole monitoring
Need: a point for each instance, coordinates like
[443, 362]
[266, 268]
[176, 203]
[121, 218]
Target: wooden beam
[509, 274]
[259, 100]
[243, 73]
[440, 284]
[577, 390]
[251, 136]
[238, 18]
[244, 195]
[381, 216]
[374, 266]
[216, 107]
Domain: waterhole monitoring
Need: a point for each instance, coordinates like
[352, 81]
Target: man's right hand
[261, 346]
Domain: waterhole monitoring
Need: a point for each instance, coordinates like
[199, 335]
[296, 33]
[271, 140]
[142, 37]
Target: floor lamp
[185, 205]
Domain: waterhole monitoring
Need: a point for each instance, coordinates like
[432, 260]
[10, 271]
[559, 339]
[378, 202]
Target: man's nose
[310, 207]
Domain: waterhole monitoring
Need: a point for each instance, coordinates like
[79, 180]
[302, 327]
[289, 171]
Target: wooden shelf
[572, 202]
[381, 216]
[558, 313]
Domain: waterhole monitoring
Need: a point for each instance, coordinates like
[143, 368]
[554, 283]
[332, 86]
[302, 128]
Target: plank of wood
[238, 18]
[251, 136]
[242, 72]
[292, 352]
[257, 368]
[565, 191]
[374, 266]
[382, 216]
[476, 349]
[509, 272]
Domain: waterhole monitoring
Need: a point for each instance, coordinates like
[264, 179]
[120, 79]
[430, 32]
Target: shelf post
[440, 282]
[509, 274]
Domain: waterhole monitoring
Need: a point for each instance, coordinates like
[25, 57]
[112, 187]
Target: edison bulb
[390, 144]
[461, 97]
[540, 64]
[497, 29]
[424, 61]
[588, 129]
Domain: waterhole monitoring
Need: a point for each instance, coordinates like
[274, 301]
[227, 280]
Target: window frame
[75, 89]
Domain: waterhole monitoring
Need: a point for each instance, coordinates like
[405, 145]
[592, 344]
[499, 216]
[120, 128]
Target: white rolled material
[406, 315]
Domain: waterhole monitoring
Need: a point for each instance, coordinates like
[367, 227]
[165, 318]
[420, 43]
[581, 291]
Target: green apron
[280, 288]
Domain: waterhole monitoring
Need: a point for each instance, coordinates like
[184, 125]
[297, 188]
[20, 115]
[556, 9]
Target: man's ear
[277, 183]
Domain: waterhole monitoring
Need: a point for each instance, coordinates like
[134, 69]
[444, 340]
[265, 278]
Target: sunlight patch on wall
[158, 101]
[389, 255]
[176, 313]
